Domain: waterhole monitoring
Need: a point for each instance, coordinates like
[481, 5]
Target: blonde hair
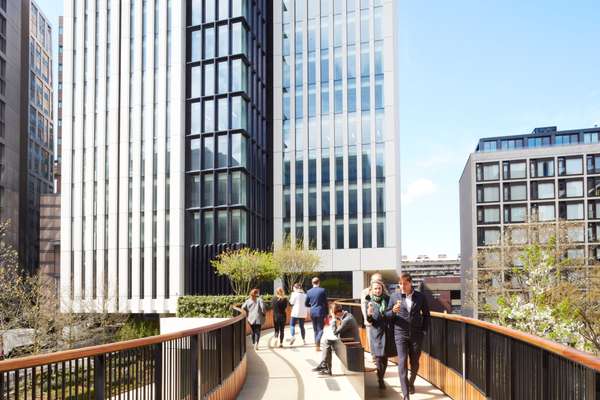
[380, 283]
[279, 292]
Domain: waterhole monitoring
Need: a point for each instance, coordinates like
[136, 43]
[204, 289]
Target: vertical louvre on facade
[228, 139]
[122, 196]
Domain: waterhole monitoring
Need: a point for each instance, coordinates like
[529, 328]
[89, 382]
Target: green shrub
[136, 328]
[210, 306]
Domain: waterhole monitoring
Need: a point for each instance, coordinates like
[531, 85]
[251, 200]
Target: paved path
[286, 373]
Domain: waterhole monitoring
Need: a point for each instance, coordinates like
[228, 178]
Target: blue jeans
[293, 326]
[318, 325]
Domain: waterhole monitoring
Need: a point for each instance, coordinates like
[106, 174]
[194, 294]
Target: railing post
[194, 365]
[158, 351]
[463, 334]
[99, 376]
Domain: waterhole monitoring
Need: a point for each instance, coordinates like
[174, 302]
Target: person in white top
[299, 312]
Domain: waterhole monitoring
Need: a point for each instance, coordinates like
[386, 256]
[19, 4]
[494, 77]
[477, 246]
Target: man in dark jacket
[409, 313]
[347, 328]
[316, 299]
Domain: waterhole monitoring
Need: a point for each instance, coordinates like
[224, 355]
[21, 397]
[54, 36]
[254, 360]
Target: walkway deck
[286, 373]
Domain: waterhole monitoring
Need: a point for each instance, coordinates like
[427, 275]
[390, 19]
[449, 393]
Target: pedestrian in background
[299, 313]
[280, 303]
[255, 314]
[316, 299]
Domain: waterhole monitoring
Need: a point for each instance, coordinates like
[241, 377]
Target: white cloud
[417, 190]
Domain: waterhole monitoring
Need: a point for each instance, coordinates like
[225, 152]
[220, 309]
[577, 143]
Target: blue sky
[470, 69]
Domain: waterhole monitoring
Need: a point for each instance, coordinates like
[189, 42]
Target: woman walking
[280, 303]
[381, 338]
[255, 314]
[299, 312]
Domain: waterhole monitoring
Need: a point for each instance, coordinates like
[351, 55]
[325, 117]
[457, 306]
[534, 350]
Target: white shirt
[408, 300]
[299, 310]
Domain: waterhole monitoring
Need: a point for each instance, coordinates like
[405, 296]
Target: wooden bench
[352, 357]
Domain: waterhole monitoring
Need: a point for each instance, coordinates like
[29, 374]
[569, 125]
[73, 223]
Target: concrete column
[358, 283]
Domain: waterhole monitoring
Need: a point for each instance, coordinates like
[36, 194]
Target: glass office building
[336, 170]
[193, 127]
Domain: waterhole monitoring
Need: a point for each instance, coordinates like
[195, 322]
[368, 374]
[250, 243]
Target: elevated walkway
[286, 373]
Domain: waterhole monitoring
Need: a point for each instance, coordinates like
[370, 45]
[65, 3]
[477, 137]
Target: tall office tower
[554, 175]
[336, 140]
[228, 134]
[40, 144]
[25, 123]
[165, 147]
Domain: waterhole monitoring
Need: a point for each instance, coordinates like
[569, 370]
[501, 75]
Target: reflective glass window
[208, 190]
[222, 151]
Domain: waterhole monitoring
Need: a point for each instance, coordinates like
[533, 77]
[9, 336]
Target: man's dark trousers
[318, 325]
[409, 348]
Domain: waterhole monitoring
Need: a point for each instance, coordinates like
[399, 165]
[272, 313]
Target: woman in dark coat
[280, 303]
[381, 338]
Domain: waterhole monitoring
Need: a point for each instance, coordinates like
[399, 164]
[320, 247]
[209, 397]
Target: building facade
[178, 142]
[335, 143]
[423, 267]
[26, 131]
[40, 146]
[547, 176]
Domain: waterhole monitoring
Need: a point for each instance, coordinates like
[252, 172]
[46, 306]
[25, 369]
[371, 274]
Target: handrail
[90, 351]
[586, 359]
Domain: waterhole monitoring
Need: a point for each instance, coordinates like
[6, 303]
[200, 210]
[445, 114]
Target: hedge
[210, 306]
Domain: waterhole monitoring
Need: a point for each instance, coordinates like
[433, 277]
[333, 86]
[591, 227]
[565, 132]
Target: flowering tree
[295, 263]
[545, 288]
[245, 268]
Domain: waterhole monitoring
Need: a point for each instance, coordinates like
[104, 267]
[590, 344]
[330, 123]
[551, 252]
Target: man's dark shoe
[382, 384]
[319, 367]
[411, 389]
[325, 371]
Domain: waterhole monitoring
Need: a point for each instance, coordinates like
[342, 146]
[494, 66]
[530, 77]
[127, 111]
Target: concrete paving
[286, 373]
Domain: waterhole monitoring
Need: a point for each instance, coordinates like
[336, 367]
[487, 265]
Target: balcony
[462, 359]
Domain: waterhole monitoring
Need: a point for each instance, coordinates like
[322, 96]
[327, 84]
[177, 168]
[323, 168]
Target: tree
[245, 268]
[31, 302]
[295, 263]
[536, 281]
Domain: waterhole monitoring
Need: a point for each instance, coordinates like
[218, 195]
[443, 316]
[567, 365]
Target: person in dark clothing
[280, 303]
[409, 314]
[381, 338]
[316, 299]
[347, 328]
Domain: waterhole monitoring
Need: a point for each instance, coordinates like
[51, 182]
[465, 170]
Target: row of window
[541, 141]
[539, 190]
[487, 236]
[340, 234]
[538, 168]
[542, 212]
[221, 226]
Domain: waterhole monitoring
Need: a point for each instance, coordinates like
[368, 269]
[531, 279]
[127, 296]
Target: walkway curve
[278, 373]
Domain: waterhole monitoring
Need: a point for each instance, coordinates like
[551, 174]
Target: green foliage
[245, 268]
[136, 328]
[210, 306]
[295, 263]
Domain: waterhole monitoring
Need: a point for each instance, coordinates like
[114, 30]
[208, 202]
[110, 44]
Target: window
[195, 118]
[222, 189]
[222, 151]
[209, 227]
[488, 193]
[488, 172]
[542, 168]
[195, 191]
[594, 232]
[515, 213]
[511, 144]
[567, 139]
[538, 141]
[570, 211]
[591, 137]
[545, 212]
[575, 233]
[515, 191]
[594, 209]
[209, 116]
[238, 188]
[593, 164]
[514, 169]
[593, 186]
[222, 226]
[209, 79]
[488, 215]
[209, 42]
[570, 166]
[489, 145]
[223, 40]
[223, 74]
[208, 190]
[223, 115]
[542, 190]
[570, 188]
[488, 236]
[195, 45]
[208, 153]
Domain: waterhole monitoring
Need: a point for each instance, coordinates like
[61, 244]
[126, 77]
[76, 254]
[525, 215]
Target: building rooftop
[548, 136]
